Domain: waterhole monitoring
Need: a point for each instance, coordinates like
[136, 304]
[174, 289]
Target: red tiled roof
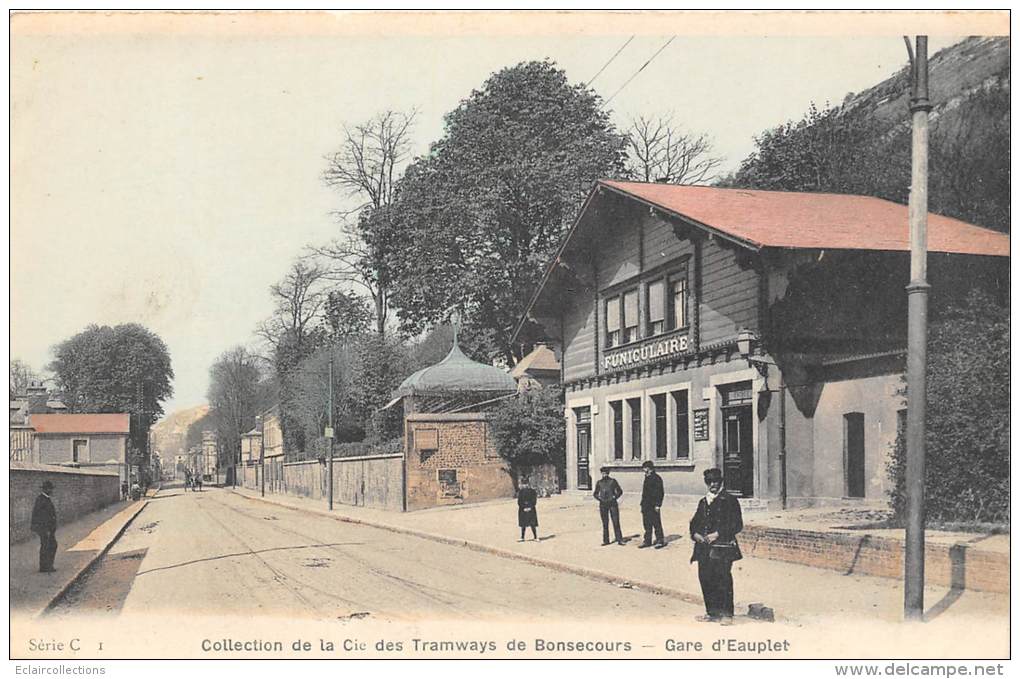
[541, 358]
[783, 219]
[116, 423]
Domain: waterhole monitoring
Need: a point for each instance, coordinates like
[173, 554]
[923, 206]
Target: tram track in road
[283, 579]
[417, 588]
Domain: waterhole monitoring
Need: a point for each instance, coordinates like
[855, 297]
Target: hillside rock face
[168, 435]
[863, 146]
[955, 75]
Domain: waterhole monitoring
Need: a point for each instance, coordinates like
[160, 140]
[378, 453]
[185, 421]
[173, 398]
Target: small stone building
[83, 440]
[449, 455]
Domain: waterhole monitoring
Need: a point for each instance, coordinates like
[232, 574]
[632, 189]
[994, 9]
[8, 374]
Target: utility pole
[329, 431]
[917, 334]
[262, 452]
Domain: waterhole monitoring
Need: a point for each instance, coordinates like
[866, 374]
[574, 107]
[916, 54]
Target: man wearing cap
[714, 530]
[607, 492]
[651, 506]
[44, 522]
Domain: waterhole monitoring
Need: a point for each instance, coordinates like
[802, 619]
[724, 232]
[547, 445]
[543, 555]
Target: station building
[760, 332]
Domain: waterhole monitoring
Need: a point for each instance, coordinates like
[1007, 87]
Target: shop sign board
[650, 352]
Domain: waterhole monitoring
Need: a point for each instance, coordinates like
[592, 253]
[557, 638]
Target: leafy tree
[345, 314]
[825, 151]
[528, 430]
[120, 369]
[477, 218]
[967, 468]
[847, 151]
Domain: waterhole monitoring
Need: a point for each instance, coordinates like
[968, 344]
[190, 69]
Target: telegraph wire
[604, 66]
[640, 69]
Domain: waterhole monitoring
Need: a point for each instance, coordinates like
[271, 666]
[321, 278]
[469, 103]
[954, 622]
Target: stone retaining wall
[76, 492]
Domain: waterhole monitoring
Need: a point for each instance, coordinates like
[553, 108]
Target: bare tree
[366, 168]
[661, 152]
[234, 398]
[21, 376]
[298, 300]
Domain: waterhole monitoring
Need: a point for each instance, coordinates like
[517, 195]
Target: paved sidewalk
[80, 544]
[570, 540]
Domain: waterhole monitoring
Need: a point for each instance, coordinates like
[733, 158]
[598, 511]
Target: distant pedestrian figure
[44, 524]
[651, 506]
[124, 490]
[198, 482]
[714, 530]
[607, 492]
[527, 509]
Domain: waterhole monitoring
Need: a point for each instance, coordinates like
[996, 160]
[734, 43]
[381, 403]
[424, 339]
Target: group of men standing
[607, 492]
[713, 530]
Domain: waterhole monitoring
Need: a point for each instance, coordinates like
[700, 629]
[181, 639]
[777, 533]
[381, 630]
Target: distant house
[272, 438]
[251, 444]
[536, 370]
[86, 439]
[210, 456]
[33, 400]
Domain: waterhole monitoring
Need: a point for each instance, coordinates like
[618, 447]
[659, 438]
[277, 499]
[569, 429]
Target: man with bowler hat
[44, 523]
[714, 530]
[607, 492]
[651, 506]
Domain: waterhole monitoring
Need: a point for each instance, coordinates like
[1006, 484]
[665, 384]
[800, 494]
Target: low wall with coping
[76, 492]
[957, 566]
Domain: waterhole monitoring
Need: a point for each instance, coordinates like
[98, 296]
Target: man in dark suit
[651, 506]
[607, 492]
[714, 530]
[44, 523]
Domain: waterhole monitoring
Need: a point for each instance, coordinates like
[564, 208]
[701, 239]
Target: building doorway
[583, 447]
[738, 439]
[853, 456]
[78, 450]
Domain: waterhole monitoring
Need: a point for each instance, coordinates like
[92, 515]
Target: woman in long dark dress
[527, 512]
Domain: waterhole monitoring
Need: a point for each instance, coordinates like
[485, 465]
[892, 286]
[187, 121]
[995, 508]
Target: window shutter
[630, 309]
[679, 302]
[656, 299]
[613, 314]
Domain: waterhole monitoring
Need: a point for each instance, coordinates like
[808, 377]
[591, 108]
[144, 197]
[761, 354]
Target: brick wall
[451, 459]
[76, 492]
[951, 565]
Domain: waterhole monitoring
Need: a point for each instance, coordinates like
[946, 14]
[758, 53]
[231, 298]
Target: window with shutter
[656, 307]
[630, 316]
[612, 322]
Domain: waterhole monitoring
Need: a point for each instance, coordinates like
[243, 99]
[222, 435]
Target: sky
[167, 172]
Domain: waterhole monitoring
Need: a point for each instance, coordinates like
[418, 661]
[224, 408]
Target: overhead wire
[604, 66]
[643, 66]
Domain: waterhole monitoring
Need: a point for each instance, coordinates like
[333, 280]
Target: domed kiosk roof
[457, 373]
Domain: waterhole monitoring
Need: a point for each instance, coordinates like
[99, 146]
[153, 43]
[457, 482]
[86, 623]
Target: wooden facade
[813, 423]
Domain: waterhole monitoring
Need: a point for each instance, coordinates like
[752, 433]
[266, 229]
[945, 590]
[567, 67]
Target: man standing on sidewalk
[651, 506]
[44, 523]
[714, 531]
[607, 492]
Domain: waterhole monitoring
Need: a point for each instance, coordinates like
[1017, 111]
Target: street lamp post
[329, 431]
